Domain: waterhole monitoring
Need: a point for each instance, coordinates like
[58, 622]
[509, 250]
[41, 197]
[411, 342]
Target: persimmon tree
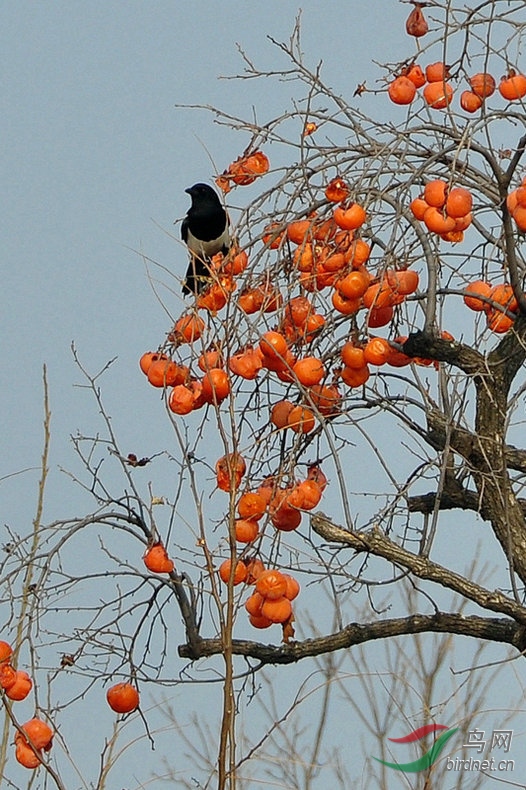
[348, 379]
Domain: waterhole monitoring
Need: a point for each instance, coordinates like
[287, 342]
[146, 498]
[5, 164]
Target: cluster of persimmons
[444, 211]
[516, 203]
[243, 171]
[498, 302]
[435, 78]
[35, 735]
[438, 91]
[284, 505]
[15, 682]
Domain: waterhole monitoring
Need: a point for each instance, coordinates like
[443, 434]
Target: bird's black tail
[197, 276]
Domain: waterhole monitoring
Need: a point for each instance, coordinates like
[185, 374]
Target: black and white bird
[205, 233]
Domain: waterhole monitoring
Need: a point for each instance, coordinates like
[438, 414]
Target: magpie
[205, 232]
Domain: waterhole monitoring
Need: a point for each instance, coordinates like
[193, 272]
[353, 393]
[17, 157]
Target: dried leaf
[416, 24]
[288, 631]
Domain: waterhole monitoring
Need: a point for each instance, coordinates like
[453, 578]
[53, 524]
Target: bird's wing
[184, 229]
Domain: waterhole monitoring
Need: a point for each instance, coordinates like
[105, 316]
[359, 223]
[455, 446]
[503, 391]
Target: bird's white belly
[207, 248]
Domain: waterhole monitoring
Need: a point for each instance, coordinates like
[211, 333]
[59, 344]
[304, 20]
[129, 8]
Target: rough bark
[489, 628]
[484, 449]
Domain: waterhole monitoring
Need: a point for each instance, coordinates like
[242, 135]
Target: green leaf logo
[427, 759]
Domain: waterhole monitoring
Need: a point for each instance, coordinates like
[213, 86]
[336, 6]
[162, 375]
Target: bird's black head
[202, 193]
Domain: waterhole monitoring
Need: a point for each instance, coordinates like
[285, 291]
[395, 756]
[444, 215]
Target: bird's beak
[188, 191]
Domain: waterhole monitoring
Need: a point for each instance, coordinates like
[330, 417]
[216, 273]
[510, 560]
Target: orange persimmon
[123, 698]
